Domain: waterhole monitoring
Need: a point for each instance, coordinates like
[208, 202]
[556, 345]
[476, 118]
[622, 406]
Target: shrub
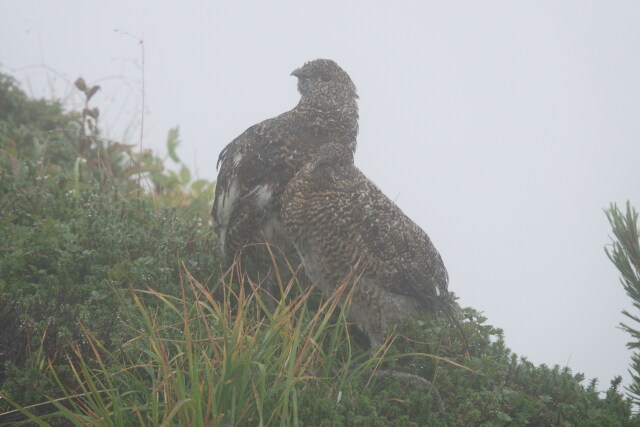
[113, 312]
[74, 229]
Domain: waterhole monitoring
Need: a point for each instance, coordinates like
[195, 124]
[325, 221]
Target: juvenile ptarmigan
[343, 225]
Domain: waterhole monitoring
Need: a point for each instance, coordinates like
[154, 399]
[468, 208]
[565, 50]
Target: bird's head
[323, 82]
[332, 160]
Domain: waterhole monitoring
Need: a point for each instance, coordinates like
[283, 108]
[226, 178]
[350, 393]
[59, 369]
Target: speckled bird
[257, 165]
[344, 226]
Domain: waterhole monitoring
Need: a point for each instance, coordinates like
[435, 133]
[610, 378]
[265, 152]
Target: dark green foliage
[73, 232]
[503, 389]
[98, 244]
[624, 252]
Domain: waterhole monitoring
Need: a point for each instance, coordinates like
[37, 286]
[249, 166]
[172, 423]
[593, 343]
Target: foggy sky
[502, 128]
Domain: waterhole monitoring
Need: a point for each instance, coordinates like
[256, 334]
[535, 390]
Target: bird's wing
[399, 250]
[245, 179]
[227, 166]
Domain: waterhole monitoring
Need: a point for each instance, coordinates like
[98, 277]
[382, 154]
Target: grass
[221, 356]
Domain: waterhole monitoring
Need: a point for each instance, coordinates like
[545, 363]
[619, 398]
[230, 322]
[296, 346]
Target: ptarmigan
[256, 166]
[343, 225]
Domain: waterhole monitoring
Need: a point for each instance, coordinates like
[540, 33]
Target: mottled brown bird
[256, 166]
[343, 225]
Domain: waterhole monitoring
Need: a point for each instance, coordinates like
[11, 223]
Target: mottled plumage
[256, 166]
[341, 224]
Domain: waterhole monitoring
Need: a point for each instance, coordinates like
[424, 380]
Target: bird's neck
[341, 118]
[347, 107]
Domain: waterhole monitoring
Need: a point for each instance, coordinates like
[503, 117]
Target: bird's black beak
[300, 73]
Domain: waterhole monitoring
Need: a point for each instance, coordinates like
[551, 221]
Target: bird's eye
[325, 77]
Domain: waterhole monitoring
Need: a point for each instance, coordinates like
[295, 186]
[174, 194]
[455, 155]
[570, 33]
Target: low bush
[113, 311]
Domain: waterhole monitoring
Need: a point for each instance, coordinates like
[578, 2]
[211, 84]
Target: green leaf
[185, 175]
[173, 141]
[502, 416]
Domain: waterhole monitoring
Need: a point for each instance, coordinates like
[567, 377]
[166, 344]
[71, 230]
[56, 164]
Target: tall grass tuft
[218, 357]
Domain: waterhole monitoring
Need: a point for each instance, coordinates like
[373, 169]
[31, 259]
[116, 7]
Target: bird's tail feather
[444, 303]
